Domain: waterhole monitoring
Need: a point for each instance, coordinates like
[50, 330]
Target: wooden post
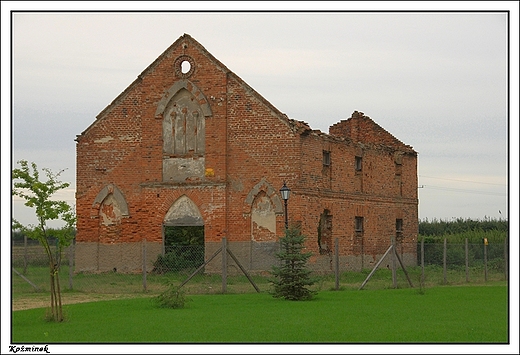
[144, 264]
[336, 268]
[224, 265]
[71, 264]
[422, 262]
[467, 259]
[394, 264]
[444, 263]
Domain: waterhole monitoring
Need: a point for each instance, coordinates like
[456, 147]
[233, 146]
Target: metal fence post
[394, 265]
[71, 264]
[485, 262]
[24, 254]
[336, 267]
[506, 257]
[224, 265]
[422, 261]
[444, 256]
[467, 259]
[144, 264]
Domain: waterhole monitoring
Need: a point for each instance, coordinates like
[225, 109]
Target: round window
[184, 66]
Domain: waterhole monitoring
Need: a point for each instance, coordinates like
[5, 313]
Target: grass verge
[453, 314]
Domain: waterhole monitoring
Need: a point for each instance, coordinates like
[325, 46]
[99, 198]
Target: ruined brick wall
[124, 148]
[262, 151]
[382, 191]
[129, 177]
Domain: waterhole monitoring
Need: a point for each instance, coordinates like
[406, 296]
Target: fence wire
[435, 264]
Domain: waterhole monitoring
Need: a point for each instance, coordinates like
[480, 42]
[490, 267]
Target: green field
[442, 314]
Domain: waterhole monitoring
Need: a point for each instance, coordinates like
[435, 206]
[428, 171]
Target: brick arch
[174, 195]
[270, 192]
[183, 212]
[118, 196]
[192, 88]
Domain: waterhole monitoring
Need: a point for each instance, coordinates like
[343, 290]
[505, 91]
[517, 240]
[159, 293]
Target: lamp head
[285, 192]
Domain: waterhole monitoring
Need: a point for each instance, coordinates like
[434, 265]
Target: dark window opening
[359, 164]
[398, 225]
[359, 224]
[398, 169]
[325, 233]
[399, 230]
[326, 158]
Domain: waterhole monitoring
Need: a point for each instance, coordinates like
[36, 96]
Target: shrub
[172, 297]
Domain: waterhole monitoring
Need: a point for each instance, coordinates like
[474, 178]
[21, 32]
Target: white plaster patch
[104, 139]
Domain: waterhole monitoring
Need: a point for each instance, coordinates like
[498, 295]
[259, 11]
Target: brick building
[189, 143]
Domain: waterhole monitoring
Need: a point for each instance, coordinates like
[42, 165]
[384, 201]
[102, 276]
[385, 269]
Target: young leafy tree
[37, 194]
[292, 277]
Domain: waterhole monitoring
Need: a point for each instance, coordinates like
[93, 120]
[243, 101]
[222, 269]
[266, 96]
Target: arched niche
[178, 86]
[115, 197]
[270, 192]
[183, 110]
[263, 205]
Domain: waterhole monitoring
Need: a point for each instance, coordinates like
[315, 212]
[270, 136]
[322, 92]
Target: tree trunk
[56, 306]
[58, 294]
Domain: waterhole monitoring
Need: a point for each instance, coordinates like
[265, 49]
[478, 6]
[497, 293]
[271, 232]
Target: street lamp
[285, 191]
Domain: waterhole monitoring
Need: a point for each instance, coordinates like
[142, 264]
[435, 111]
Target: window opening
[358, 163]
[399, 230]
[185, 67]
[398, 169]
[398, 225]
[325, 233]
[326, 158]
[359, 224]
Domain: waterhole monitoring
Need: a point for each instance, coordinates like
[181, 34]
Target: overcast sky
[437, 81]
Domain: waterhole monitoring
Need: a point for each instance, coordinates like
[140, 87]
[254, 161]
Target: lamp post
[285, 191]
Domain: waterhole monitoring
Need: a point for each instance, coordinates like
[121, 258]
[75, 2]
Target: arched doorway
[183, 237]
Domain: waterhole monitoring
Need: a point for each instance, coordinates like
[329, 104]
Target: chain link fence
[432, 264]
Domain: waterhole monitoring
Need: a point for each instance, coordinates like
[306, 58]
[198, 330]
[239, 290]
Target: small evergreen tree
[292, 278]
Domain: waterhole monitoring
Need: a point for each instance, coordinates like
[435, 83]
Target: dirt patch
[43, 300]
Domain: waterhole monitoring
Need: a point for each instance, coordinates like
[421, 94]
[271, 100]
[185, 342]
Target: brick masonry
[204, 135]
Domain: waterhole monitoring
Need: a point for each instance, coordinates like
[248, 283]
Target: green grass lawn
[451, 314]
